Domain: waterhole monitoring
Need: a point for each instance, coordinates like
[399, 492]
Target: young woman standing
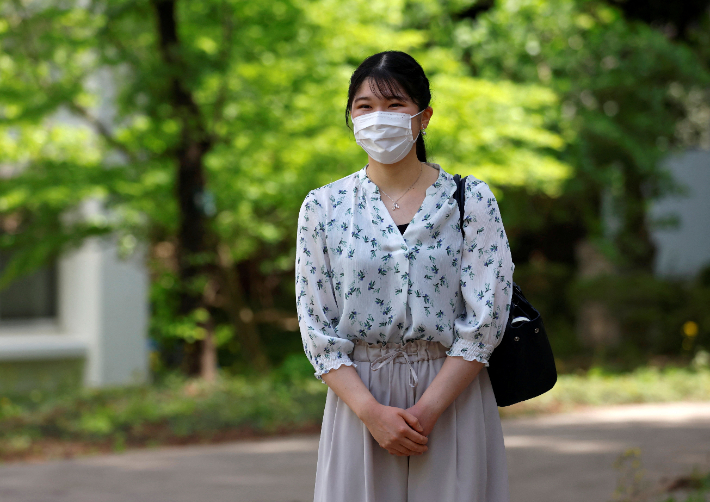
[399, 313]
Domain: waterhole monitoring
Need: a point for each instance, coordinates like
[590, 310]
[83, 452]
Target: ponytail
[421, 148]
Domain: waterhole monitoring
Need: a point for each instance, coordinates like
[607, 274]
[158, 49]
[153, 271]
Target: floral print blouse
[358, 277]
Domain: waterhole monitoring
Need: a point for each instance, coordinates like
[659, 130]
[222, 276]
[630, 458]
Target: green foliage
[623, 86]
[86, 115]
[178, 407]
[656, 316]
[545, 284]
[561, 97]
[596, 387]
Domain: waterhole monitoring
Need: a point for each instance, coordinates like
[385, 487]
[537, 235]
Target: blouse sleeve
[315, 297]
[486, 277]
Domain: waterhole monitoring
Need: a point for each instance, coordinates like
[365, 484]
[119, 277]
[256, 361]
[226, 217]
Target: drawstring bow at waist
[390, 357]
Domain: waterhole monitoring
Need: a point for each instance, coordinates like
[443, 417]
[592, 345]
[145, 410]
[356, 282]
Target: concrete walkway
[565, 457]
[570, 457]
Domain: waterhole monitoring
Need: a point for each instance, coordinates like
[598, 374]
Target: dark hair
[389, 72]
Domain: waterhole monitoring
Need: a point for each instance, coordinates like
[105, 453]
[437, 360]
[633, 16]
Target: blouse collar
[444, 183]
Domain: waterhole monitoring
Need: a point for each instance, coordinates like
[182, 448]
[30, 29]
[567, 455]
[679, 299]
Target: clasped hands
[401, 432]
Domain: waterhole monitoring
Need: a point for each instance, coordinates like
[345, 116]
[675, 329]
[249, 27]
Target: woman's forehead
[381, 89]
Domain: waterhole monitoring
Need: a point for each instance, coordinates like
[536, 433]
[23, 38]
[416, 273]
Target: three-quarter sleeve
[315, 296]
[486, 277]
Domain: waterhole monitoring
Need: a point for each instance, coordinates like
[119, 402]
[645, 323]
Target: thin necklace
[395, 206]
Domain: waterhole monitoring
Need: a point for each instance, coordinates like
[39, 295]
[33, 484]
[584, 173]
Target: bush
[656, 316]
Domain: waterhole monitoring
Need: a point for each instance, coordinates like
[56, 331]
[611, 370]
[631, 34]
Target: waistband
[415, 350]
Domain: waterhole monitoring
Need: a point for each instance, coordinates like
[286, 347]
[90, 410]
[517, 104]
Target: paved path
[570, 457]
[565, 457]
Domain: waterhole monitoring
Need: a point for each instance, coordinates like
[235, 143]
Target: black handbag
[522, 365]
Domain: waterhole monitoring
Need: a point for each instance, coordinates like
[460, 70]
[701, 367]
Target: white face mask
[385, 136]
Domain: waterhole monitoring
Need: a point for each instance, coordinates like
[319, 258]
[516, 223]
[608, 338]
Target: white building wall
[103, 301]
[102, 317]
[683, 251]
[124, 323]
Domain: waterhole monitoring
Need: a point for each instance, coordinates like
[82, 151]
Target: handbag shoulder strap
[460, 197]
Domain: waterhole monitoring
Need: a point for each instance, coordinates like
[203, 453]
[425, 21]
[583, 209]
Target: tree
[200, 126]
[622, 84]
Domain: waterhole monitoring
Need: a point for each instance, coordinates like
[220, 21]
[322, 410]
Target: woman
[398, 314]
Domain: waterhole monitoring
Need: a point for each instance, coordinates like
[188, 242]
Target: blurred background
[154, 155]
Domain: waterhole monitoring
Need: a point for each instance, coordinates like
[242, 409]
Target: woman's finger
[415, 437]
[412, 446]
[398, 450]
[412, 421]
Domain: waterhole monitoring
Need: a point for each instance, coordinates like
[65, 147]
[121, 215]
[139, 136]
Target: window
[32, 296]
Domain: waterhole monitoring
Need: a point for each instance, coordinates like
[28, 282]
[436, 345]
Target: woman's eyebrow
[391, 98]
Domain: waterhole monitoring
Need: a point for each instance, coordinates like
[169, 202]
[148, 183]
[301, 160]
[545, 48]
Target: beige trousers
[465, 461]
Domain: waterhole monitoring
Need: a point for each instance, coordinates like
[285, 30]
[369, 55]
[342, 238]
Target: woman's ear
[426, 116]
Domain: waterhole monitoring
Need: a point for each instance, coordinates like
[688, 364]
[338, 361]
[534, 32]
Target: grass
[178, 411]
[598, 387]
[182, 411]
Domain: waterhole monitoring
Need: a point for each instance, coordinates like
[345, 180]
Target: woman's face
[366, 101]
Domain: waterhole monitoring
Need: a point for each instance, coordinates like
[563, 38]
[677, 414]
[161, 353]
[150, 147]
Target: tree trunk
[241, 315]
[194, 255]
[596, 328]
[208, 355]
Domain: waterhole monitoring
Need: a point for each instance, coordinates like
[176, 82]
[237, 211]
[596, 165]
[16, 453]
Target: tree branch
[102, 130]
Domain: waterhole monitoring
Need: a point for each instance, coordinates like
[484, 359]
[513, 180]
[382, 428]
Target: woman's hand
[395, 430]
[427, 417]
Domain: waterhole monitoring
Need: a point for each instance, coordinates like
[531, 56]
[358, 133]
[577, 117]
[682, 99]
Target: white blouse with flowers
[358, 277]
